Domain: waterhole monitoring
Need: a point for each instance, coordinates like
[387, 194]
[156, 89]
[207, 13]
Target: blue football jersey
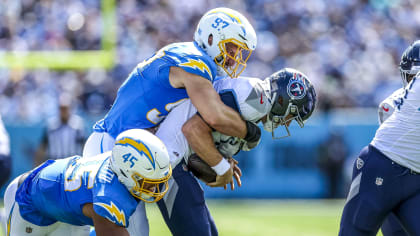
[57, 191]
[146, 96]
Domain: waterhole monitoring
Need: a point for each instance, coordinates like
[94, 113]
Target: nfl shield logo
[28, 230]
[359, 163]
[379, 181]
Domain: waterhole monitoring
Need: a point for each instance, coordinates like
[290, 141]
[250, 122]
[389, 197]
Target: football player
[61, 196]
[223, 42]
[409, 67]
[386, 175]
[285, 96]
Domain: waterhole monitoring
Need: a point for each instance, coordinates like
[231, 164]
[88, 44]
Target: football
[201, 169]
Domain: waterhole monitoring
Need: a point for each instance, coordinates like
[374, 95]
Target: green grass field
[265, 217]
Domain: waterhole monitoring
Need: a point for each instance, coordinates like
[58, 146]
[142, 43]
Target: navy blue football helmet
[410, 62]
[293, 97]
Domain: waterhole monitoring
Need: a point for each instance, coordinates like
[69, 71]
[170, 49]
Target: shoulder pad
[387, 106]
[256, 104]
[112, 212]
[192, 59]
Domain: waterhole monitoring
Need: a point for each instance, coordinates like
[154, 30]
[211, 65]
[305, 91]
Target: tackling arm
[198, 135]
[208, 103]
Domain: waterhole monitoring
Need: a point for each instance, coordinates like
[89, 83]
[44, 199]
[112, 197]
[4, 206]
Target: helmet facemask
[141, 162]
[226, 26]
[144, 186]
[292, 97]
[273, 120]
[410, 62]
[407, 75]
[240, 57]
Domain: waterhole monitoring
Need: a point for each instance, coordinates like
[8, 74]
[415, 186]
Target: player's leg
[392, 226]
[64, 229]
[184, 208]
[138, 222]
[15, 225]
[9, 198]
[5, 168]
[98, 143]
[408, 211]
[373, 193]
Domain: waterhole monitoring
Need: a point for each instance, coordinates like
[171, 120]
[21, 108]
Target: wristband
[222, 167]
[253, 132]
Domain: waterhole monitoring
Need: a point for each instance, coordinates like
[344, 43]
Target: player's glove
[228, 146]
[253, 136]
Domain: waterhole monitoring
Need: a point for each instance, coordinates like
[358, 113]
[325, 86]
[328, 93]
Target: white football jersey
[4, 140]
[399, 136]
[387, 106]
[252, 99]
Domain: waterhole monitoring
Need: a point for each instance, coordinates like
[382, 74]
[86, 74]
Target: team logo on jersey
[199, 64]
[139, 146]
[359, 163]
[118, 215]
[379, 181]
[296, 89]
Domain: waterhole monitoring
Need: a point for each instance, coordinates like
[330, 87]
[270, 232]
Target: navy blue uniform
[186, 212]
[380, 186]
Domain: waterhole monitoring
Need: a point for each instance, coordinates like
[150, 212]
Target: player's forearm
[230, 123]
[208, 103]
[198, 135]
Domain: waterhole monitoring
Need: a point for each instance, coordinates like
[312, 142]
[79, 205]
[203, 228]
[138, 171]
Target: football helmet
[141, 162]
[410, 62]
[227, 27]
[292, 97]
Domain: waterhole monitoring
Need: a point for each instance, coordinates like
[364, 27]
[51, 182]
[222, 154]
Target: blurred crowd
[350, 49]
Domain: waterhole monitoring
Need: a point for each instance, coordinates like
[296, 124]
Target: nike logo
[261, 100]
[385, 109]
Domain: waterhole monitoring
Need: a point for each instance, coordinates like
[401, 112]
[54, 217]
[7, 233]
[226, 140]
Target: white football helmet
[141, 162]
[226, 26]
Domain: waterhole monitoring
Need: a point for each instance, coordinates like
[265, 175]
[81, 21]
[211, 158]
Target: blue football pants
[184, 208]
[380, 186]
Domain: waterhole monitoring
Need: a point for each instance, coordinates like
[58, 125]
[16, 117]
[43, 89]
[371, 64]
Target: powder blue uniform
[58, 189]
[146, 97]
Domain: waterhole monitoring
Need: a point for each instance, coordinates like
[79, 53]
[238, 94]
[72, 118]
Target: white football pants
[15, 225]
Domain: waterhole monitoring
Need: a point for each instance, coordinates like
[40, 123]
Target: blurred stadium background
[350, 50]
